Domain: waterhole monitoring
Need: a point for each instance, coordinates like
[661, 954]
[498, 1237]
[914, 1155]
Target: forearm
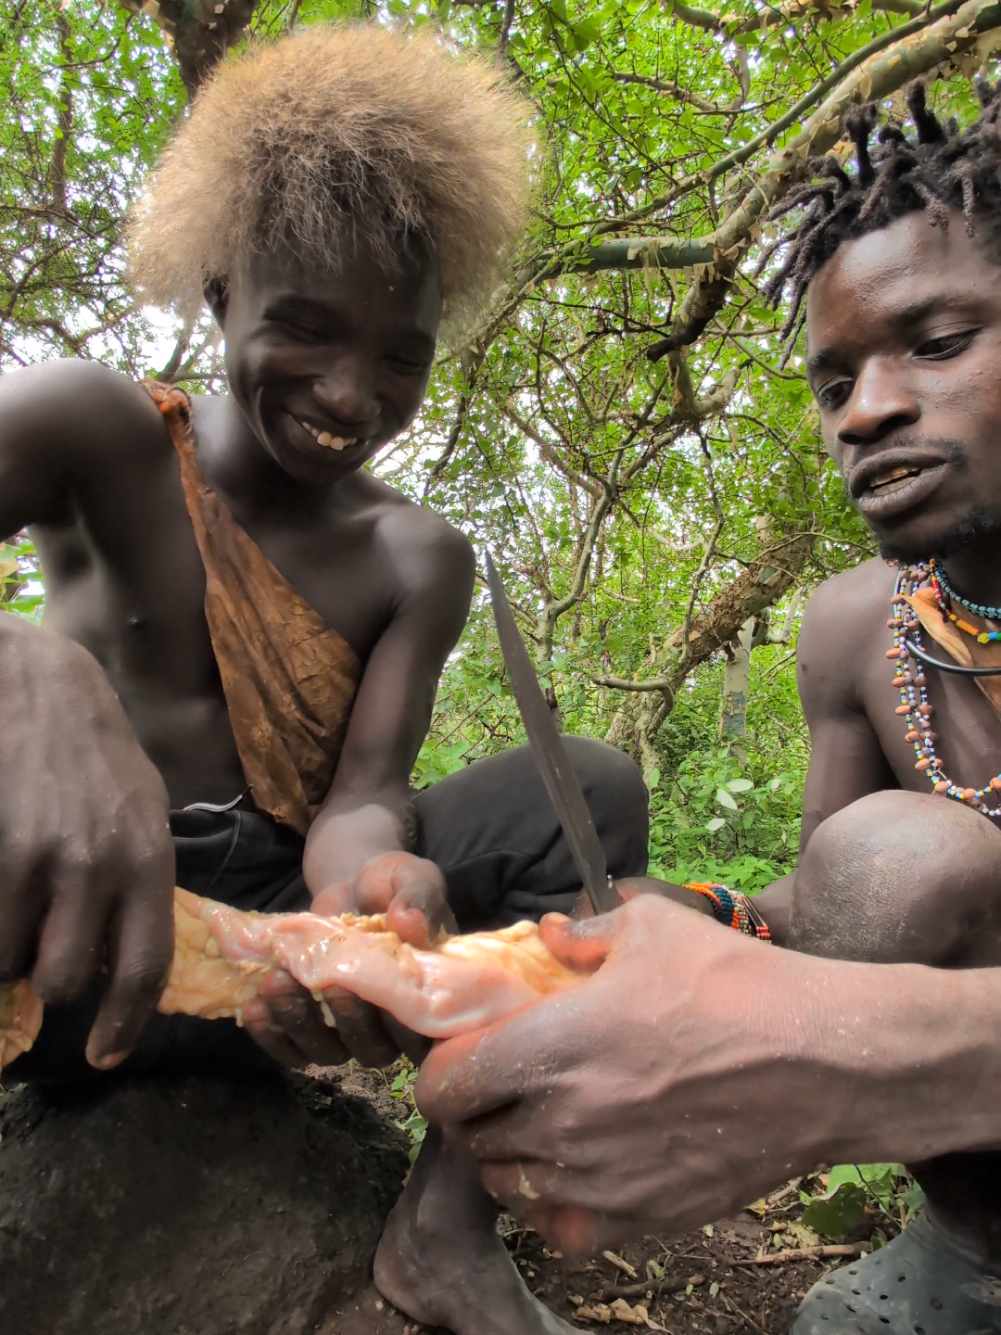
[347, 834]
[916, 1053]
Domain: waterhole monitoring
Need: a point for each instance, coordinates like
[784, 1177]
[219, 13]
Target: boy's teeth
[328, 441]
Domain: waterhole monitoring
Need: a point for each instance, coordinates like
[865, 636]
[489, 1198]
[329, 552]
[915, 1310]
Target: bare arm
[368, 811]
[86, 862]
[846, 761]
[745, 1066]
[63, 427]
[357, 852]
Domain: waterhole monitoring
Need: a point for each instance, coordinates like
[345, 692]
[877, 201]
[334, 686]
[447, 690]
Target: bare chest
[966, 725]
[125, 578]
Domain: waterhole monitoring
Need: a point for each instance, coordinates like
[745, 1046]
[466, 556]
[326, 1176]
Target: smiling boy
[272, 618]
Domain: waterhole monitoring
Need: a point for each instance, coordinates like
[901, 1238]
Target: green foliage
[89, 100]
[412, 1123]
[20, 587]
[883, 1192]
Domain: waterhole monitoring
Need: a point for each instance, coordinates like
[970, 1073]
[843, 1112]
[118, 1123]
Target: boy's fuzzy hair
[336, 132]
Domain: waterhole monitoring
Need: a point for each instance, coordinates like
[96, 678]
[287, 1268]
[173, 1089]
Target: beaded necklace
[914, 704]
[945, 595]
[988, 613]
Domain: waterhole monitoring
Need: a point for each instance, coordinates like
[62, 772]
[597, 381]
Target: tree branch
[550, 454]
[881, 66]
[200, 31]
[763, 583]
[916, 49]
[505, 32]
[787, 13]
[683, 95]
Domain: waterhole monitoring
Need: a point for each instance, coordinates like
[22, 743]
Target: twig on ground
[743, 1315]
[620, 1263]
[654, 1286]
[804, 1254]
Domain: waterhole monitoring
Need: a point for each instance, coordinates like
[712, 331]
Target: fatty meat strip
[221, 956]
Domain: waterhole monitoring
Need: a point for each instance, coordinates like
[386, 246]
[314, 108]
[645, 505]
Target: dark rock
[189, 1206]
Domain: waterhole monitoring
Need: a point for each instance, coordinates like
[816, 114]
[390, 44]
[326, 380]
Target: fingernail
[108, 1061]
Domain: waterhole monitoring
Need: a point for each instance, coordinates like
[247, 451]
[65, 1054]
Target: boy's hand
[289, 1024]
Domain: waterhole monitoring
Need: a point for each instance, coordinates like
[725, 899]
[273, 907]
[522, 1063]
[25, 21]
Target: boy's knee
[618, 800]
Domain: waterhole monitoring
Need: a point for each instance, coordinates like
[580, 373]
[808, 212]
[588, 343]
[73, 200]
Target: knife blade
[550, 754]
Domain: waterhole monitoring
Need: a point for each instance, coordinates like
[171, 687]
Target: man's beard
[979, 523]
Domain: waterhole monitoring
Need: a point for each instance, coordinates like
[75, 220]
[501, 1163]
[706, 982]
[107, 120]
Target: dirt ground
[708, 1285]
[742, 1275]
[710, 1282]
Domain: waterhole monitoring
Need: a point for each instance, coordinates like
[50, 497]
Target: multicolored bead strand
[944, 598]
[915, 706]
[732, 908]
[981, 609]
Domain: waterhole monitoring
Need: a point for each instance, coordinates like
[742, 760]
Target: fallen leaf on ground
[598, 1312]
[619, 1310]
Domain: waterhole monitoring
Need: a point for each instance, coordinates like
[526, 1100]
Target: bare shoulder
[434, 560]
[845, 601]
[73, 389]
[68, 405]
[843, 621]
[64, 426]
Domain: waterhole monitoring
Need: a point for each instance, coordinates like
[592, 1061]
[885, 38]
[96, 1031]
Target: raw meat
[221, 955]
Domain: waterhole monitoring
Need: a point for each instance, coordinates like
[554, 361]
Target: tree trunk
[215, 1207]
[736, 676]
[200, 31]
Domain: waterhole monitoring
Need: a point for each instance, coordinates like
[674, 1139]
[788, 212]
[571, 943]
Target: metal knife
[550, 754]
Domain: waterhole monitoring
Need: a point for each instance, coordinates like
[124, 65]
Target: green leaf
[715, 824]
[740, 785]
[837, 1214]
[586, 31]
[725, 800]
[913, 1197]
[873, 1175]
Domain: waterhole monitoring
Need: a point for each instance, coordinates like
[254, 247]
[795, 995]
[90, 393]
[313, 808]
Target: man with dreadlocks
[245, 628]
[878, 1035]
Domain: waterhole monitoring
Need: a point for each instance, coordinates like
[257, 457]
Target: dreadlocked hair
[337, 133]
[940, 169]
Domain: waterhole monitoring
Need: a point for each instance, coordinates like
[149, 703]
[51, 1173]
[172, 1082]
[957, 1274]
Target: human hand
[669, 1089]
[86, 859]
[293, 1029]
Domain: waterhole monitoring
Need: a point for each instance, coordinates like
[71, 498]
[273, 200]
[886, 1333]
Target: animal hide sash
[288, 679]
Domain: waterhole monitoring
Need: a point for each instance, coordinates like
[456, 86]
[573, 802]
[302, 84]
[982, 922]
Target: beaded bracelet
[732, 909]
